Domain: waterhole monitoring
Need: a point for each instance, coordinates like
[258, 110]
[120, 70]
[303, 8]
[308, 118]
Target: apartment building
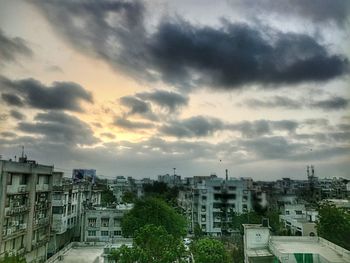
[121, 185]
[211, 203]
[69, 200]
[25, 208]
[103, 224]
[299, 220]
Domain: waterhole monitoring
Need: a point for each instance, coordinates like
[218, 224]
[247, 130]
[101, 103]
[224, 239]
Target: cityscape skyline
[136, 88]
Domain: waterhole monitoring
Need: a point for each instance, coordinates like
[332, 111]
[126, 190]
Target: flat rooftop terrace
[311, 245]
[83, 255]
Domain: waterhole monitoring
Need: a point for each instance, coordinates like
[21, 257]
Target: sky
[137, 88]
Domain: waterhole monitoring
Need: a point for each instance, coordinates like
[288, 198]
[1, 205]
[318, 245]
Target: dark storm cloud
[273, 102]
[32, 93]
[263, 127]
[201, 126]
[11, 48]
[198, 126]
[271, 147]
[17, 115]
[59, 127]
[11, 99]
[334, 103]
[165, 99]
[135, 105]
[132, 125]
[318, 11]
[330, 103]
[8, 134]
[187, 55]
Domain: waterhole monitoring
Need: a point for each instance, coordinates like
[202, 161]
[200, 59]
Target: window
[203, 208]
[104, 222]
[92, 233]
[24, 179]
[92, 221]
[9, 179]
[57, 210]
[204, 198]
[298, 212]
[232, 188]
[203, 218]
[118, 233]
[287, 212]
[104, 233]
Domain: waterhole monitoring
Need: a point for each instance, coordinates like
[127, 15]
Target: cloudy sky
[137, 88]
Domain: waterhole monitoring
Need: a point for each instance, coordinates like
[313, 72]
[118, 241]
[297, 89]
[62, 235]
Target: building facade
[25, 208]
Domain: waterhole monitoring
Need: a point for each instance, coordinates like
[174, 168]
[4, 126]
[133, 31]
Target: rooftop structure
[260, 246]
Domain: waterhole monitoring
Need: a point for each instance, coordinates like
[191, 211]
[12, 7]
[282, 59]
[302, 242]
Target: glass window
[104, 233]
[92, 233]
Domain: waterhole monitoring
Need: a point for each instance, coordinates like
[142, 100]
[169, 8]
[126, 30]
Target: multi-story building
[69, 200]
[103, 224]
[25, 208]
[211, 203]
[299, 220]
[170, 180]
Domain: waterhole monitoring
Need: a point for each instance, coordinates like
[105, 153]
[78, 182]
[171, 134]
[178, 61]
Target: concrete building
[121, 185]
[25, 208]
[211, 202]
[170, 180]
[299, 220]
[261, 247]
[103, 224]
[68, 204]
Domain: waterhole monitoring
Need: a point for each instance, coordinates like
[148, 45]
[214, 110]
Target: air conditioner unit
[9, 231]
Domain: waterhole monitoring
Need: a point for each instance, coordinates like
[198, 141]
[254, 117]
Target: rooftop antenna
[174, 171]
[226, 171]
[22, 151]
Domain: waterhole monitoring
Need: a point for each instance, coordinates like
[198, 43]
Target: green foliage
[334, 225]
[162, 191]
[12, 259]
[209, 250]
[107, 197]
[152, 244]
[153, 211]
[129, 197]
[198, 233]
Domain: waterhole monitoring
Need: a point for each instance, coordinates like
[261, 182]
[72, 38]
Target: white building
[261, 247]
[299, 220]
[103, 224]
[214, 200]
[25, 208]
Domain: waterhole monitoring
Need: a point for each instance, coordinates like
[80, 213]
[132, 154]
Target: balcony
[42, 206]
[42, 188]
[15, 189]
[41, 222]
[9, 211]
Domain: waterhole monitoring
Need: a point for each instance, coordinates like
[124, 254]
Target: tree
[107, 197]
[334, 225]
[129, 197]
[153, 211]
[209, 250]
[152, 244]
[162, 191]
[12, 259]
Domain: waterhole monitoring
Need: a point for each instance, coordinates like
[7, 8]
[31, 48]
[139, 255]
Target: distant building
[25, 208]
[210, 203]
[103, 224]
[299, 220]
[261, 247]
[170, 180]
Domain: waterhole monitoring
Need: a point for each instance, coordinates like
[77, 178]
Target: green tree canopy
[209, 250]
[153, 211]
[152, 244]
[334, 225]
[129, 197]
[107, 197]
